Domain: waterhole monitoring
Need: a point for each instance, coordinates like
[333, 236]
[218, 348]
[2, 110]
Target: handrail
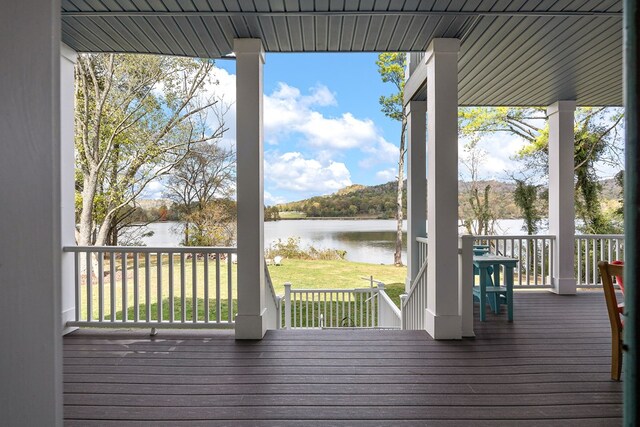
[389, 315]
[416, 281]
[153, 249]
[413, 303]
[273, 309]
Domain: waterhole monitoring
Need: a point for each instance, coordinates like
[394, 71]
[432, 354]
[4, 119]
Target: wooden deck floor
[549, 367]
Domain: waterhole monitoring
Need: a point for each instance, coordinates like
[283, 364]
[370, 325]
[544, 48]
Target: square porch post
[442, 318]
[561, 194]
[31, 248]
[250, 320]
[68, 58]
[416, 185]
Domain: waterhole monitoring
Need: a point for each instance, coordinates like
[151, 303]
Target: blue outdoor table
[493, 286]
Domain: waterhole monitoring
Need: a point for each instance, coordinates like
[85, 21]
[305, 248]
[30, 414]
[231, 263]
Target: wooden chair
[607, 271]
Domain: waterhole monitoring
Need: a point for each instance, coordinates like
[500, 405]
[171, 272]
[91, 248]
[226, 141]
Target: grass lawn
[292, 215]
[302, 274]
[340, 274]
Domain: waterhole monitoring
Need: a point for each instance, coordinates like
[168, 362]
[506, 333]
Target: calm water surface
[371, 241]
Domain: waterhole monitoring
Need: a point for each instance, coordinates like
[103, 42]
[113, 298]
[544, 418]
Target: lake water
[371, 241]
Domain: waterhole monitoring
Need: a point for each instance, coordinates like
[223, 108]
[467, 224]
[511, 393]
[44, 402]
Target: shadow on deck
[549, 367]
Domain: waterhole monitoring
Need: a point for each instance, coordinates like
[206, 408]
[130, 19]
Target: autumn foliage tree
[136, 117]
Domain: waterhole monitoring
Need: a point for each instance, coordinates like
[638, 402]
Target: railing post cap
[403, 297]
[287, 284]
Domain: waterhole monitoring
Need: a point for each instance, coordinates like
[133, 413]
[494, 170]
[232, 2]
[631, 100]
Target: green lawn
[292, 215]
[336, 274]
[302, 274]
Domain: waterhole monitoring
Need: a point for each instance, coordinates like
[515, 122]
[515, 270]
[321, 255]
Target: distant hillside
[379, 201]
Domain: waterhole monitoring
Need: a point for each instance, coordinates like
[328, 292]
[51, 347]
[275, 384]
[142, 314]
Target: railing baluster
[206, 288]
[194, 287]
[147, 286]
[595, 262]
[100, 256]
[136, 292]
[218, 298]
[535, 262]
[170, 260]
[579, 247]
[313, 314]
[78, 280]
[294, 304]
[183, 296]
[89, 289]
[324, 309]
[112, 287]
[331, 308]
[159, 286]
[123, 260]
[229, 287]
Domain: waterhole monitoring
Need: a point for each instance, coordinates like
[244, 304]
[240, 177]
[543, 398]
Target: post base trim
[443, 327]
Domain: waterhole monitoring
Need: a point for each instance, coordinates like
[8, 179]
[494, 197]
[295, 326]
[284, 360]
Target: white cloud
[270, 199]
[499, 150]
[223, 88]
[154, 190]
[291, 171]
[287, 111]
[387, 175]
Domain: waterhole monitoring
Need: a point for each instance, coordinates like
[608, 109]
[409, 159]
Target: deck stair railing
[272, 301]
[591, 248]
[340, 308]
[178, 287]
[414, 302]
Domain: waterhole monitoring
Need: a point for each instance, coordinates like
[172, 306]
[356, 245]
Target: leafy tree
[205, 173]
[271, 213]
[391, 67]
[213, 225]
[597, 139]
[526, 198]
[136, 117]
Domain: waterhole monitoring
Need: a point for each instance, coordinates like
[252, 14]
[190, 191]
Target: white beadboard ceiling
[514, 52]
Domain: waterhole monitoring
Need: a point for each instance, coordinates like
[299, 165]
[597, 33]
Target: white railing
[179, 287]
[272, 301]
[414, 302]
[591, 248]
[339, 308]
[534, 253]
[389, 315]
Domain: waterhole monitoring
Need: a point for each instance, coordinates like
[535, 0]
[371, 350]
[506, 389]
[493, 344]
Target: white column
[67, 182]
[442, 318]
[561, 194]
[250, 321]
[30, 242]
[416, 184]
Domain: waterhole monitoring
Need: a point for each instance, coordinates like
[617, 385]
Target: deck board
[549, 367]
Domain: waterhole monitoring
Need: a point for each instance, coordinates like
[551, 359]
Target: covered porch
[552, 366]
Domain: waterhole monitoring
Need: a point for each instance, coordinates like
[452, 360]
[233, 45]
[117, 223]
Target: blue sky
[324, 129]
